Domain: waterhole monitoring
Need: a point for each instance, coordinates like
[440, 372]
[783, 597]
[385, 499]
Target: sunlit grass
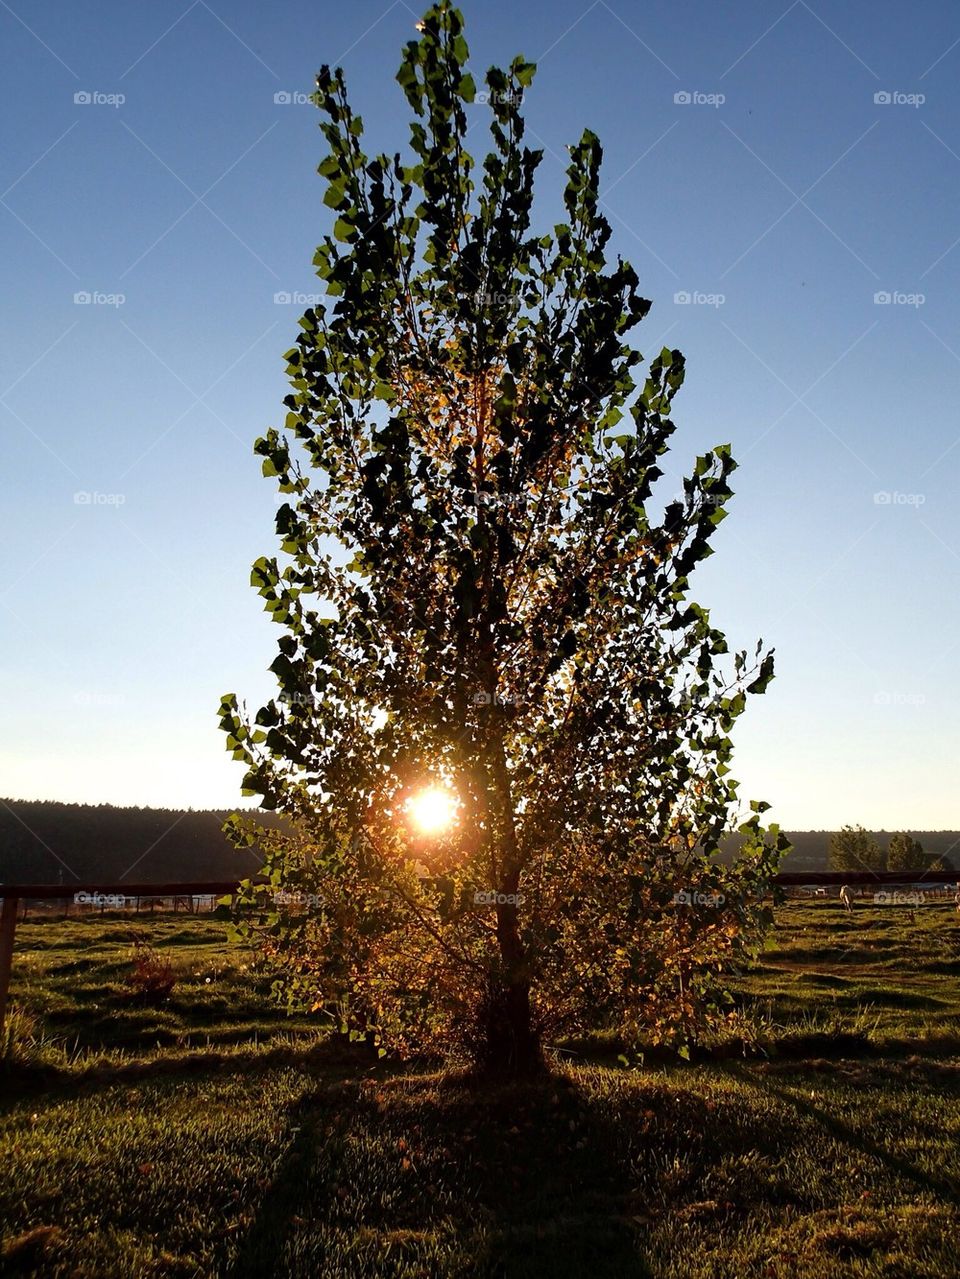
[212, 1136]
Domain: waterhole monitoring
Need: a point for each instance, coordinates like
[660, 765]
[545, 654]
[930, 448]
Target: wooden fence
[13, 894]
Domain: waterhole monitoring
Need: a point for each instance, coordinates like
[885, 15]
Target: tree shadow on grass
[942, 1186]
[432, 1175]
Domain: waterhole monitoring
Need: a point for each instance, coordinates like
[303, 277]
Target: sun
[432, 809]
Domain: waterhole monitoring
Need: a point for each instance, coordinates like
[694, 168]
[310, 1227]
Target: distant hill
[41, 840]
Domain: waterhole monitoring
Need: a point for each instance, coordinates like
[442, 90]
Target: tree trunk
[512, 1046]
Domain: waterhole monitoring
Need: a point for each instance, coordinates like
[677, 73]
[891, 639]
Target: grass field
[213, 1136]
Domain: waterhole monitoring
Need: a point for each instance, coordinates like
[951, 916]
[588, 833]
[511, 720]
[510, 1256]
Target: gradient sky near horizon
[774, 171]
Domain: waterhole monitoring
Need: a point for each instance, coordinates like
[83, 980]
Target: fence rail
[793, 878]
[12, 894]
[53, 892]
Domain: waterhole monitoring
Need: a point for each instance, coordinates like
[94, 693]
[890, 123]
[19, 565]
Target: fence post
[8, 924]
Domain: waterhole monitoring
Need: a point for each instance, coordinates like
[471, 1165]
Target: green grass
[72, 975]
[889, 973]
[270, 1152]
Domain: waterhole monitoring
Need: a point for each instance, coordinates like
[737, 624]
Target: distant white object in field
[846, 897]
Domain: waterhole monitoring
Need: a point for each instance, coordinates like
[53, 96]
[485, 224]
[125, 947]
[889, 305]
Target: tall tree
[906, 853]
[853, 848]
[481, 606]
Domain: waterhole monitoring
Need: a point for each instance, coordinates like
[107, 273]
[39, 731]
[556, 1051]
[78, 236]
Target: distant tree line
[45, 842]
[854, 848]
[42, 841]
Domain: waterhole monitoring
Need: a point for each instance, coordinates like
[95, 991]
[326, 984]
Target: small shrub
[152, 978]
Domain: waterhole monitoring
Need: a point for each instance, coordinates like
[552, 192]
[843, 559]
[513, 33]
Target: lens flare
[432, 810]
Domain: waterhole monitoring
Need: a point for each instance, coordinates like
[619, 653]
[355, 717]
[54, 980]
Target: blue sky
[749, 166]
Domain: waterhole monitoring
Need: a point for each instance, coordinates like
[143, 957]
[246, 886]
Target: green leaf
[525, 71]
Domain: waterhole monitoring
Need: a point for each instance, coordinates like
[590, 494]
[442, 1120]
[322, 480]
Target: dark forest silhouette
[42, 839]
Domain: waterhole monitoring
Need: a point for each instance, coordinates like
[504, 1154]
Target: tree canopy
[853, 848]
[906, 853]
[481, 597]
